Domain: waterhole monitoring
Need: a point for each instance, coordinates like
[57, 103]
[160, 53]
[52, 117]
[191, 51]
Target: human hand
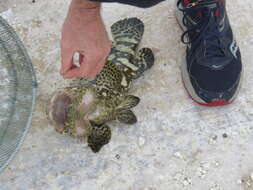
[83, 32]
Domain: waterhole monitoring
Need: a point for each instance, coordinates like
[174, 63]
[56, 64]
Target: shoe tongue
[218, 13]
[212, 5]
[217, 9]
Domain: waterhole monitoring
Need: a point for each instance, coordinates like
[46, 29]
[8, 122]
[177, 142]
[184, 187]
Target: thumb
[66, 60]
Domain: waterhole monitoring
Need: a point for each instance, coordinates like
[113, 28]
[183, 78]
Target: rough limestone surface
[176, 144]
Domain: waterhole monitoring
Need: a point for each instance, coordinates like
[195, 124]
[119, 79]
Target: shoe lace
[205, 31]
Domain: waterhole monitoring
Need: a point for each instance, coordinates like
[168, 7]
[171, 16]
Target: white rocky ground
[176, 145]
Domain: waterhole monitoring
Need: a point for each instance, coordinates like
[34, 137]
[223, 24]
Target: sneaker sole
[187, 82]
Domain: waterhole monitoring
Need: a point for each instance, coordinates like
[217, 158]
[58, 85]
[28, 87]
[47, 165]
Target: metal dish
[17, 93]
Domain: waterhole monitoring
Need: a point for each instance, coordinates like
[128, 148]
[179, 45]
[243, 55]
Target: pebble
[187, 181]
[201, 172]
[178, 155]
[141, 141]
[117, 156]
[213, 140]
[149, 188]
[178, 176]
[217, 163]
[215, 187]
[239, 182]
[251, 176]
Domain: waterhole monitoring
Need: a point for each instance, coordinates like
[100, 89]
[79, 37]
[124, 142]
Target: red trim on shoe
[186, 1]
[218, 102]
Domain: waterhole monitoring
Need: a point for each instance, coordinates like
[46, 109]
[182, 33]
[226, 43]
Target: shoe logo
[189, 19]
[222, 24]
[234, 48]
[217, 66]
[189, 44]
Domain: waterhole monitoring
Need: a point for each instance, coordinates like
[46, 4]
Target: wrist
[84, 5]
[84, 10]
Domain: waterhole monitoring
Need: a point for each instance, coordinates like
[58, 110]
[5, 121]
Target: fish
[84, 108]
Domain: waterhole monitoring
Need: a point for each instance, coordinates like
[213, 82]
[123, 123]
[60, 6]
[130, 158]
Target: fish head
[57, 110]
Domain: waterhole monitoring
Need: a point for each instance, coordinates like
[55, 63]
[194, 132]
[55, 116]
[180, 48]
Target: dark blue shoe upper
[137, 3]
[213, 58]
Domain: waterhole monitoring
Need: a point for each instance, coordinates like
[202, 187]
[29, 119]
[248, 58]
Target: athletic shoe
[213, 69]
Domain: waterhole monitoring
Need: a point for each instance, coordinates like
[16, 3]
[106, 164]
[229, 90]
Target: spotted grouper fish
[84, 108]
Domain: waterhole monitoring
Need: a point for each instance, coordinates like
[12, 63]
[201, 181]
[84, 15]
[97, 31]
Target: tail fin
[128, 30]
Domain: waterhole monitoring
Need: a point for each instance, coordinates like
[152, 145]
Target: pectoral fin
[127, 117]
[128, 102]
[99, 136]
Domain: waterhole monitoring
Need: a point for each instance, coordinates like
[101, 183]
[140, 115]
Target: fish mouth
[57, 110]
[82, 128]
[98, 134]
